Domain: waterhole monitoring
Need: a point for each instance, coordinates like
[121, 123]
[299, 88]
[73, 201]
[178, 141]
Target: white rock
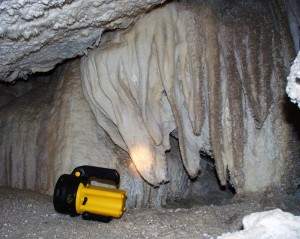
[274, 224]
[293, 86]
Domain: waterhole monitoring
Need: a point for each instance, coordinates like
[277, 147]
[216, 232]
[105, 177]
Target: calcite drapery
[131, 84]
[211, 72]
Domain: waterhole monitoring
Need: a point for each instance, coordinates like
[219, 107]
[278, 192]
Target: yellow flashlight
[74, 194]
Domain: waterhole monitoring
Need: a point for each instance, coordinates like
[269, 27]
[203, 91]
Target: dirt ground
[26, 214]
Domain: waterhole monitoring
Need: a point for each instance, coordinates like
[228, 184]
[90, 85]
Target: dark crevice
[205, 189]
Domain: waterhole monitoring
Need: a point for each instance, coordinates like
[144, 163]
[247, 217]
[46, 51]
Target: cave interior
[185, 99]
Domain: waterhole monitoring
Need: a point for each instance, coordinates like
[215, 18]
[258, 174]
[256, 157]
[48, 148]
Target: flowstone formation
[214, 73]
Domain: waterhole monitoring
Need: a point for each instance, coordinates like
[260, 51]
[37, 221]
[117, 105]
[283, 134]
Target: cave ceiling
[36, 35]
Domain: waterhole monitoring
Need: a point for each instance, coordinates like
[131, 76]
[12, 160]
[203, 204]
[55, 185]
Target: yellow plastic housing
[99, 200]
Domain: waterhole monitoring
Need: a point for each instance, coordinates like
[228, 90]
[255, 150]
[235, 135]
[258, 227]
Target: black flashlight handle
[95, 217]
[88, 172]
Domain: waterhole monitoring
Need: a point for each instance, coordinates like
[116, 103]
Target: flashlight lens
[64, 196]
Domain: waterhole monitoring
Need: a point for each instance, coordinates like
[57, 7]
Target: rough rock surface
[189, 67]
[35, 35]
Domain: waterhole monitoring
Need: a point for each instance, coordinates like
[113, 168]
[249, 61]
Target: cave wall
[215, 73]
[50, 130]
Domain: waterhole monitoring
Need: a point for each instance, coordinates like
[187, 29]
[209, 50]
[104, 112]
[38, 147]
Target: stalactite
[215, 94]
[193, 80]
[234, 122]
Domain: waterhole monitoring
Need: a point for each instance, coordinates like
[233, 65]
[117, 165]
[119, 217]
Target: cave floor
[25, 214]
